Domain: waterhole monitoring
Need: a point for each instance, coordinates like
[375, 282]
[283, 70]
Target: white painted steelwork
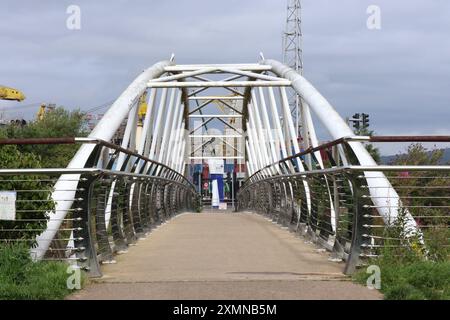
[257, 109]
[380, 188]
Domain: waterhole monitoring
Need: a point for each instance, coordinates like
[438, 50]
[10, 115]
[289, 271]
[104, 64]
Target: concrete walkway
[223, 256]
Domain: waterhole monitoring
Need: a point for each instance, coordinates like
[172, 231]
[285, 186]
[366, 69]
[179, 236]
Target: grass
[407, 273]
[413, 280]
[23, 279]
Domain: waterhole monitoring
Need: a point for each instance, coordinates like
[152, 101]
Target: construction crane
[142, 107]
[43, 109]
[7, 93]
[142, 111]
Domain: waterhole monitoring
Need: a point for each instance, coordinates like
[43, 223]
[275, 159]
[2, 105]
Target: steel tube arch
[380, 187]
[104, 130]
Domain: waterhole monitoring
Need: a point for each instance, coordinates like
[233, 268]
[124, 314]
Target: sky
[399, 74]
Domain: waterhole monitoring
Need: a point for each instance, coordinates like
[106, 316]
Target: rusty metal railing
[118, 197]
[334, 207]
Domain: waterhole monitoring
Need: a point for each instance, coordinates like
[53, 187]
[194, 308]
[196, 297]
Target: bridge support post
[83, 234]
[358, 223]
[104, 247]
[120, 244]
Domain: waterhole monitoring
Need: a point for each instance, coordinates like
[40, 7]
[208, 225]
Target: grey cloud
[400, 74]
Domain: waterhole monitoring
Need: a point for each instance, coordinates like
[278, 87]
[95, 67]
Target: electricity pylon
[293, 53]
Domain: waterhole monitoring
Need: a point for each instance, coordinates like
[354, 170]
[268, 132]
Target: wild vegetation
[410, 270]
[23, 279]
[31, 207]
[55, 124]
[20, 278]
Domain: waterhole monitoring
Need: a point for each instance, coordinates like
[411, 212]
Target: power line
[99, 107]
[20, 106]
[35, 104]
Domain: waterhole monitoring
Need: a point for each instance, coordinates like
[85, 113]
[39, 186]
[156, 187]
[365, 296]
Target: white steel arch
[266, 131]
[384, 195]
[109, 124]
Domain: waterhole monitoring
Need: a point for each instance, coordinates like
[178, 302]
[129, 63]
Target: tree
[417, 154]
[425, 194]
[56, 124]
[374, 152]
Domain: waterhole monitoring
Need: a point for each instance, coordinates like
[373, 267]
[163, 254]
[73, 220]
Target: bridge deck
[223, 256]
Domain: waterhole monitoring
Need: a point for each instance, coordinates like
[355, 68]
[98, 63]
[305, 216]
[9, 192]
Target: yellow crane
[142, 107]
[43, 109]
[7, 93]
[142, 110]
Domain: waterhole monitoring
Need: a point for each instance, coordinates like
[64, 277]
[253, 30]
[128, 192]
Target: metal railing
[335, 206]
[118, 197]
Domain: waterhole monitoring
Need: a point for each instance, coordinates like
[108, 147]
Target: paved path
[223, 256]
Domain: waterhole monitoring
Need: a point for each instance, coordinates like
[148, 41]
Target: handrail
[73, 140]
[356, 168]
[128, 152]
[92, 171]
[355, 139]
[151, 193]
[409, 139]
[26, 141]
[339, 207]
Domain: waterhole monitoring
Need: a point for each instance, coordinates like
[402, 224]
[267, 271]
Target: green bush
[31, 207]
[23, 279]
[410, 271]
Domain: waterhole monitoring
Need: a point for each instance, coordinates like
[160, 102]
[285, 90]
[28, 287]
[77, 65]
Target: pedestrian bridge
[132, 177]
[217, 255]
